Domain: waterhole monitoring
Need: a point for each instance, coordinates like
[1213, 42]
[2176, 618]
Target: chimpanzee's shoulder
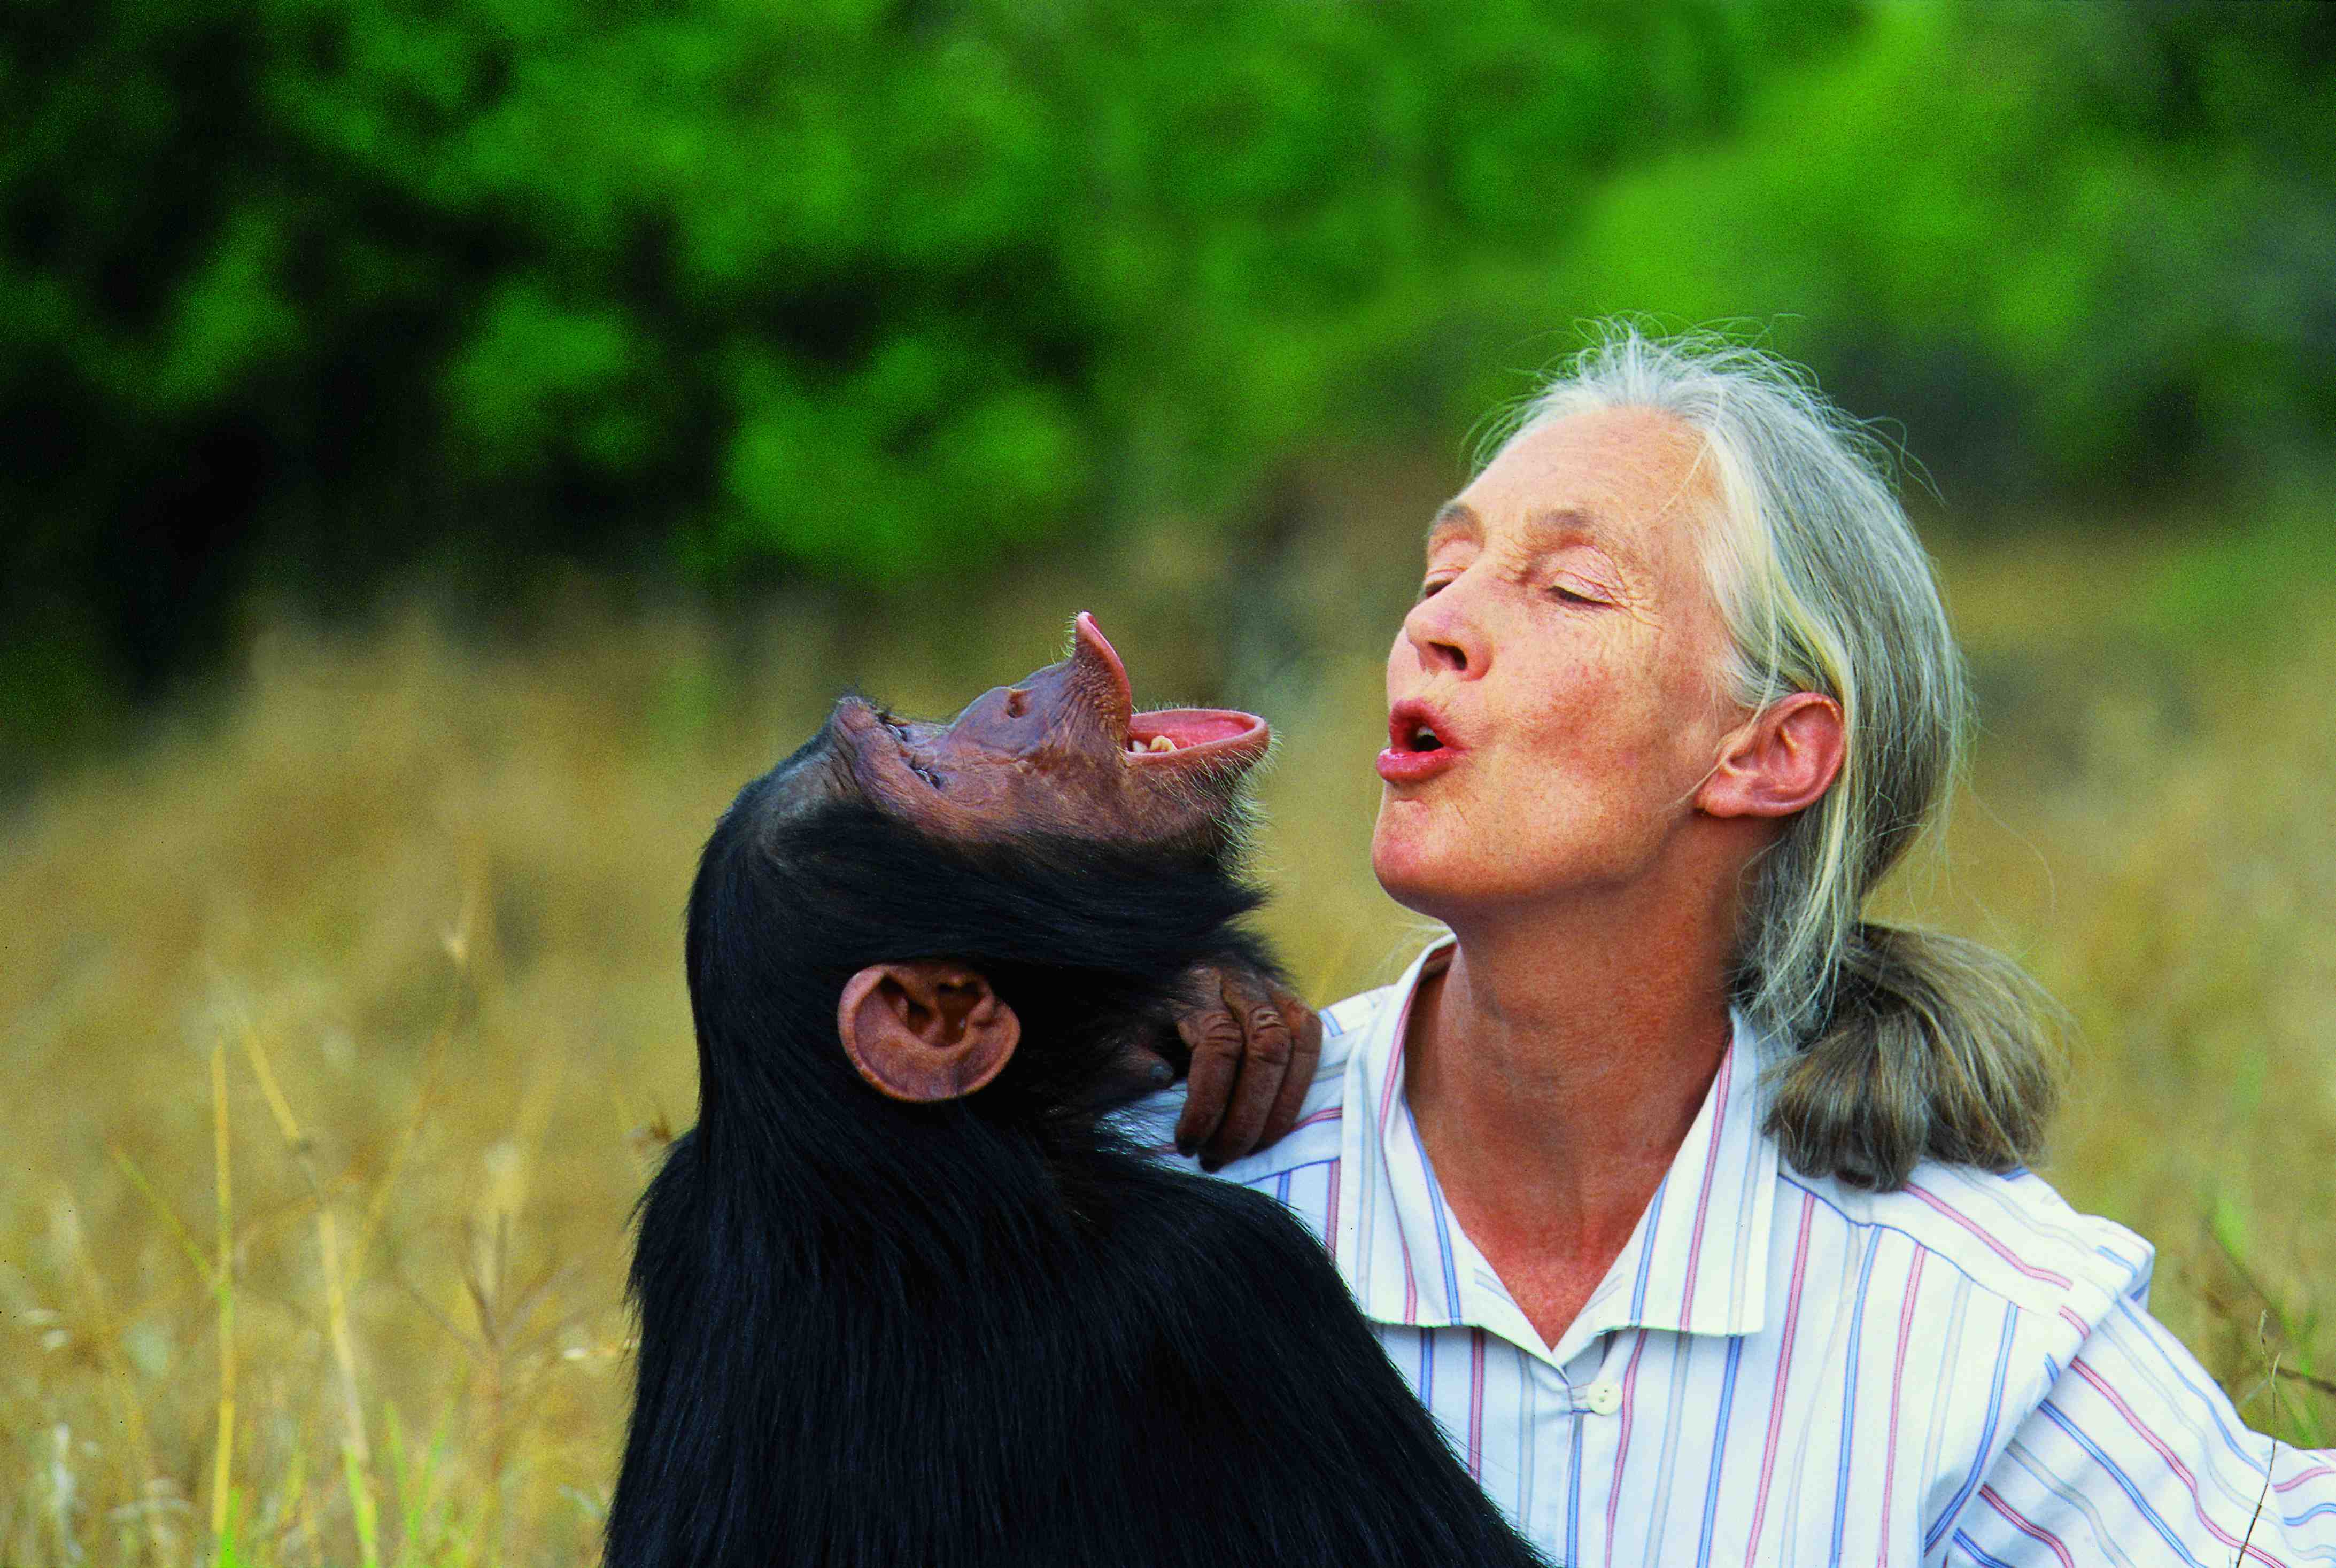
[1222, 1277]
[1235, 1320]
[1191, 1218]
[1182, 1237]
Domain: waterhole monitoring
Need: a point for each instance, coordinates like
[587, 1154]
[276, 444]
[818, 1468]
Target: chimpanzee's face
[1062, 752]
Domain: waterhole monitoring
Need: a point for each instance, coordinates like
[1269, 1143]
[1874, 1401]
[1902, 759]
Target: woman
[1692, 1204]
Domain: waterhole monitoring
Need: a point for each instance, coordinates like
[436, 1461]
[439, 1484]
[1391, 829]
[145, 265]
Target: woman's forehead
[1630, 481]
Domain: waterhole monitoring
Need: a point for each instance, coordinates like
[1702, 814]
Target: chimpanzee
[906, 1299]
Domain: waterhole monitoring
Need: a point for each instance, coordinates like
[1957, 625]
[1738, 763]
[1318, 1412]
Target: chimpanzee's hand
[1253, 1049]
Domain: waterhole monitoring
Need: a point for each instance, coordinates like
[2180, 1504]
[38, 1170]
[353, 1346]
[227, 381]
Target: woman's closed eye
[1577, 591]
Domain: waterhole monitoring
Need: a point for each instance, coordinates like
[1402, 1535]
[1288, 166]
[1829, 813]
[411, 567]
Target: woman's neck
[1553, 1070]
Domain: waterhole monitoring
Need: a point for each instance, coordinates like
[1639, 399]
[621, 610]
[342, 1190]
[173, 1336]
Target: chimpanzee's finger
[1265, 1057]
[1305, 1052]
[1213, 1035]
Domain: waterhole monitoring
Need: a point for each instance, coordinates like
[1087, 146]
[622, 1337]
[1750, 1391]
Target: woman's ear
[925, 1030]
[1781, 760]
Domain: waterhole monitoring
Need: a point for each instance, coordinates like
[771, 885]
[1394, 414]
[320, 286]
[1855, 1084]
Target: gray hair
[1905, 1043]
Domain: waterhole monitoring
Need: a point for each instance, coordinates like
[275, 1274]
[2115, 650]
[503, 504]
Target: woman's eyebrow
[1453, 520]
[1545, 530]
[1552, 527]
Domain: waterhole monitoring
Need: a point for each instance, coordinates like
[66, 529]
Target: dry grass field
[343, 1020]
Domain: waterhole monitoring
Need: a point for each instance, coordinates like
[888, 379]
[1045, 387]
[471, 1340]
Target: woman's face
[1554, 696]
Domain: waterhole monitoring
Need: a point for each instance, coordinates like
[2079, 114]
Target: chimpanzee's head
[925, 894]
[1061, 753]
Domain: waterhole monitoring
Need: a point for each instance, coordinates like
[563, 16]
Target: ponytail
[1935, 1048]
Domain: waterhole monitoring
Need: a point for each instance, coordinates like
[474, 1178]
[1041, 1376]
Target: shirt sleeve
[2135, 1458]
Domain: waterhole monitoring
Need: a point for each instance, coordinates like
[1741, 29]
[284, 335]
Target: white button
[1605, 1396]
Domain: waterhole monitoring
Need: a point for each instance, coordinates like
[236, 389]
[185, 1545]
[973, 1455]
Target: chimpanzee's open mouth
[1218, 734]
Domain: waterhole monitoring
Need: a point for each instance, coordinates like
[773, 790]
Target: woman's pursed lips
[1419, 745]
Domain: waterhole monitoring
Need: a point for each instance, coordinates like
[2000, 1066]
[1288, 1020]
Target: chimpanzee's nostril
[1018, 703]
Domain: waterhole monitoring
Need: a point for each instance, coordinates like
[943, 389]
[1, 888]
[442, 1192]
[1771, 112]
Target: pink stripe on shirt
[1703, 1202]
[1475, 1404]
[1622, 1444]
[1784, 1370]
[1897, 1386]
[2295, 1481]
[1997, 1247]
[2182, 1471]
[2032, 1531]
[1386, 1114]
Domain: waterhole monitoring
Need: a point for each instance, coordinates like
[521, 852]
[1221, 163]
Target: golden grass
[342, 1024]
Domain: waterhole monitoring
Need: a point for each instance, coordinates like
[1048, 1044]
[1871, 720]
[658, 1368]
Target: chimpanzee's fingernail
[1183, 1146]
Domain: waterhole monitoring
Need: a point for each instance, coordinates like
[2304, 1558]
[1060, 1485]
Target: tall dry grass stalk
[356, 1455]
[223, 1287]
[382, 961]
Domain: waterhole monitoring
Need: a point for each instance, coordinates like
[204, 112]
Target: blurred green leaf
[874, 290]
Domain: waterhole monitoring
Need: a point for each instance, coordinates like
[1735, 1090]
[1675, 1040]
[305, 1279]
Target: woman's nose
[1443, 633]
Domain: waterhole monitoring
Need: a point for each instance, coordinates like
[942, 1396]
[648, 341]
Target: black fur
[877, 1334]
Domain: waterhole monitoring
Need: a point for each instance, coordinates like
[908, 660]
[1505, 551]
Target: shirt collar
[1696, 1264]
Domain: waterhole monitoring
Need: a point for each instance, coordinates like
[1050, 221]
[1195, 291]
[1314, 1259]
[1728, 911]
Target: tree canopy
[865, 290]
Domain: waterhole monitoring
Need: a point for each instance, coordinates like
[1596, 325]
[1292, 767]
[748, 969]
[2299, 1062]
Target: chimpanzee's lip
[1191, 734]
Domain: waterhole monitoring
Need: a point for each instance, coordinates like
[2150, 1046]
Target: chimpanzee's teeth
[1424, 739]
[1157, 743]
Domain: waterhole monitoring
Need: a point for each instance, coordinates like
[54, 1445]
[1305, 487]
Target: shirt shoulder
[2010, 1235]
[1345, 1023]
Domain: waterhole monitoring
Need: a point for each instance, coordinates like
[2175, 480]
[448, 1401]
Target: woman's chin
[1421, 882]
[1459, 884]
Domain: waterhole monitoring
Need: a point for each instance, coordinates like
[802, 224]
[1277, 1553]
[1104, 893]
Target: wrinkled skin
[1052, 754]
[1064, 752]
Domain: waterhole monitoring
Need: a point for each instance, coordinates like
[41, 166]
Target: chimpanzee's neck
[822, 1164]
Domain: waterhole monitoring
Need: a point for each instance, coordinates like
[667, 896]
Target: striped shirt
[1780, 1369]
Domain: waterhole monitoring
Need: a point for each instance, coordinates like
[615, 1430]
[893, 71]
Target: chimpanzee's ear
[925, 1030]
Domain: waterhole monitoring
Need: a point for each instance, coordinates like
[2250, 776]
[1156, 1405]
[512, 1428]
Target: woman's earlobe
[925, 1030]
[1781, 761]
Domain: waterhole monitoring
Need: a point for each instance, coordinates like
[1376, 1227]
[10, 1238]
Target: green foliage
[871, 290]
[2076, 248]
[860, 286]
